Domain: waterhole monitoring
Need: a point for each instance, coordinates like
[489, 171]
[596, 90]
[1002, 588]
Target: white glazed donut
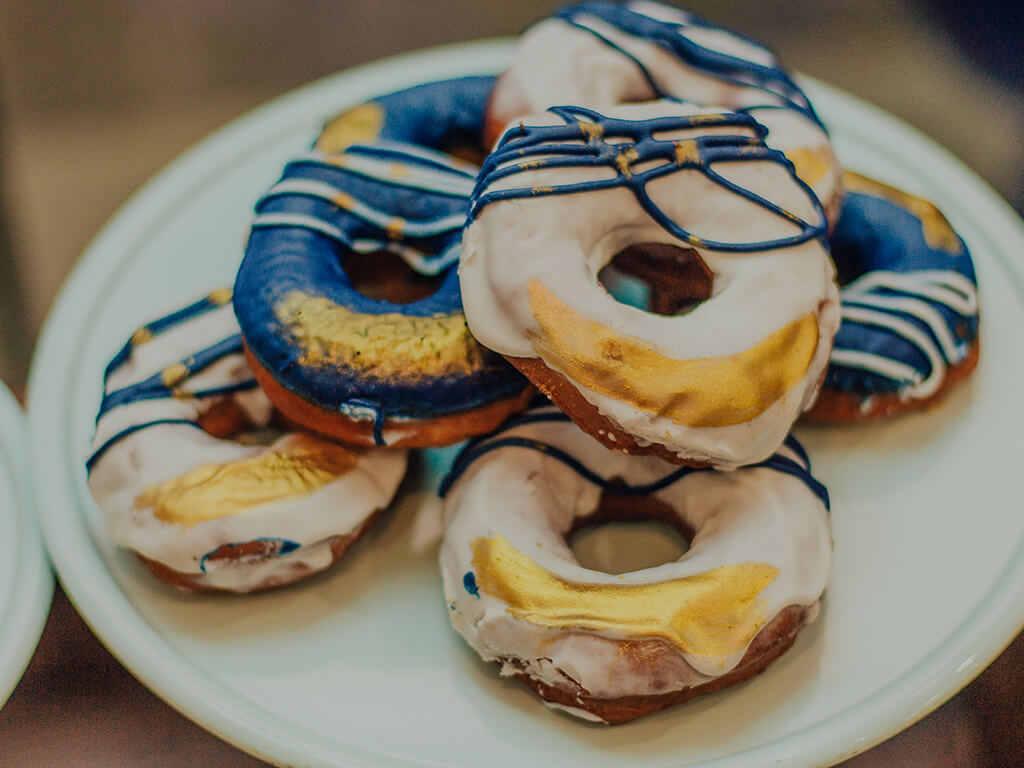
[567, 190]
[600, 54]
[209, 513]
[614, 647]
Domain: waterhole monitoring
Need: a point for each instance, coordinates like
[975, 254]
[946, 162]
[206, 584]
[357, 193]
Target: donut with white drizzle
[202, 510]
[909, 328]
[564, 192]
[614, 647]
[600, 54]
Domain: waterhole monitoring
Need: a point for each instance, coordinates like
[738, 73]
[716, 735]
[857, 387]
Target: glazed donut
[614, 647]
[600, 54]
[909, 305]
[362, 369]
[206, 512]
[446, 115]
[564, 192]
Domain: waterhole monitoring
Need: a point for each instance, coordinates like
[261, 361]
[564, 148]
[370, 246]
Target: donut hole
[660, 278]
[226, 420]
[384, 276]
[628, 534]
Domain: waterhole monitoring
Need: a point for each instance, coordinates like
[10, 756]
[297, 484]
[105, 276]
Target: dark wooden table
[77, 706]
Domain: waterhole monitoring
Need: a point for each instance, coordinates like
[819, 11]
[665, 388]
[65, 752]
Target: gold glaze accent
[811, 165]
[710, 392]
[715, 613]
[356, 126]
[624, 159]
[938, 232]
[687, 152]
[344, 200]
[173, 375]
[302, 465]
[398, 170]
[220, 296]
[382, 346]
[592, 131]
[141, 336]
[396, 228]
[542, 190]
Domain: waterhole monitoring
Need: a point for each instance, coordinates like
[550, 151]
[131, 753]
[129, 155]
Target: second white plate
[26, 582]
[360, 667]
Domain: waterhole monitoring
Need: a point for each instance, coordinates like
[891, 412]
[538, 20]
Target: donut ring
[721, 385]
[365, 370]
[614, 647]
[205, 512]
[909, 326]
[600, 54]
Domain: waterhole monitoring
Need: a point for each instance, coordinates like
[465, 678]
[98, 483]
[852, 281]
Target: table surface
[77, 706]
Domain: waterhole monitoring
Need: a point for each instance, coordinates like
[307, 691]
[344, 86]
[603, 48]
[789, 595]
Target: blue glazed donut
[909, 326]
[357, 368]
[443, 115]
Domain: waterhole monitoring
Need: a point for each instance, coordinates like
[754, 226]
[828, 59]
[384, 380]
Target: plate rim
[938, 676]
[24, 616]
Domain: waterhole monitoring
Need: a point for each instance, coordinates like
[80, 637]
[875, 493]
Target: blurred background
[97, 95]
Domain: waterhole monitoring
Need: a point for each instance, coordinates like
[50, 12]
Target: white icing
[161, 452]
[563, 241]
[750, 515]
[556, 63]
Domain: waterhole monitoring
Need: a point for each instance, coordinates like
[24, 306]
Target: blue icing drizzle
[115, 439]
[156, 387]
[479, 447]
[670, 36]
[384, 196]
[909, 306]
[284, 546]
[580, 143]
[166, 323]
[469, 582]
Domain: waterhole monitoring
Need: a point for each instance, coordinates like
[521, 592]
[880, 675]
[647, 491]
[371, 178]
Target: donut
[203, 507]
[566, 191]
[445, 115]
[614, 647]
[361, 368]
[909, 305]
[600, 54]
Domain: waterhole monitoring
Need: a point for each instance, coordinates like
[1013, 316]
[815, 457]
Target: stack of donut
[649, 242]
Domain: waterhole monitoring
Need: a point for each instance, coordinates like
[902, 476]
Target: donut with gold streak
[613, 647]
[566, 191]
[207, 510]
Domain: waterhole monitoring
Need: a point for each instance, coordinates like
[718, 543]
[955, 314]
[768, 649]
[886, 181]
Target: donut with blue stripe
[909, 306]
[602, 54]
[612, 647]
[184, 481]
[376, 367]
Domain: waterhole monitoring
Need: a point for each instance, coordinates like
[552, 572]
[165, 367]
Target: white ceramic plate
[26, 583]
[360, 667]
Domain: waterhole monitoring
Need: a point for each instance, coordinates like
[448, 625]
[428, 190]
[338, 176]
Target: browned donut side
[835, 407]
[771, 642]
[563, 394]
[425, 433]
[254, 552]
